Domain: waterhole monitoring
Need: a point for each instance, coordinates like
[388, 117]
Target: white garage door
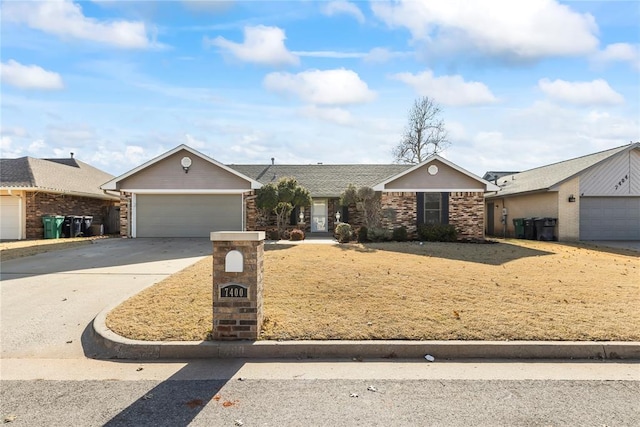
[9, 218]
[610, 218]
[187, 215]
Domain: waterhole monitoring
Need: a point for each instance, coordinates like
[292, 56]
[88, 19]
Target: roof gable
[153, 168]
[435, 174]
[546, 177]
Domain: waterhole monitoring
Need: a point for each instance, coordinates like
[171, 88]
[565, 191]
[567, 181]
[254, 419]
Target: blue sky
[521, 84]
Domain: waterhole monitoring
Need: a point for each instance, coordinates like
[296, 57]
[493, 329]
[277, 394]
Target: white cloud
[335, 115]
[7, 150]
[343, 7]
[520, 30]
[619, 52]
[596, 92]
[37, 147]
[448, 90]
[262, 45]
[329, 54]
[328, 87]
[66, 19]
[29, 76]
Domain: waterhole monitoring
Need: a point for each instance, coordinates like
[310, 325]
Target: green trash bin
[518, 224]
[52, 226]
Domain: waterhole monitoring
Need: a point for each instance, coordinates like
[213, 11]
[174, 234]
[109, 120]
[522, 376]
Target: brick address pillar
[238, 270]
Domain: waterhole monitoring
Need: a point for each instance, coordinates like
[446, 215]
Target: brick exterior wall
[38, 204]
[238, 318]
[466, 213]
[399, 209]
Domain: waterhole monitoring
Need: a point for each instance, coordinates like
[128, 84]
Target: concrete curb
[118, 347]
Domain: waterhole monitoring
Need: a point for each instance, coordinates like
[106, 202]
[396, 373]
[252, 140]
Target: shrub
[400, 234]
[273, 235]
[296, 234]
[363, 234]
[437, 233]
[343, 232]
[379, 235]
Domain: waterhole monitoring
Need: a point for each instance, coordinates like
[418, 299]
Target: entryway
[319, 215]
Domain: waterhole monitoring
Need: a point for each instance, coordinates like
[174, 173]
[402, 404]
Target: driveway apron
[48, 300]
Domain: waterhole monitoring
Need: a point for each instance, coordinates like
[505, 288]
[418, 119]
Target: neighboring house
[594, 197]
[31, 188]
[184, 193]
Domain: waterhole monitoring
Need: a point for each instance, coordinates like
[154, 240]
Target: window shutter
[444, 206]
[345, 214]
[419, 209]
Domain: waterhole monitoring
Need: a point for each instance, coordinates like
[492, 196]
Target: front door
[319, 215]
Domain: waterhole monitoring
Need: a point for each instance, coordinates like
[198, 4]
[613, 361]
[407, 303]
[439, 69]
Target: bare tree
[424, 135]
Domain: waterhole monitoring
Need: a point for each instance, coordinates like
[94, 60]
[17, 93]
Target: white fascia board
[431, 190]
[111, 185]
[488, 185]
[180, 191]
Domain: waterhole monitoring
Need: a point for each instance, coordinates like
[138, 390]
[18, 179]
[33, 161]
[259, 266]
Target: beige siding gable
[616, 176]
[168, 174]
[446, 178]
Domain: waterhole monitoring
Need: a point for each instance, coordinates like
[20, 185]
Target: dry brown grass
[516, 290]
[22, 248]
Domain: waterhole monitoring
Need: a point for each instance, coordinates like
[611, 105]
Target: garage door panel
[610, 218]
[9, 218]
[192, 215]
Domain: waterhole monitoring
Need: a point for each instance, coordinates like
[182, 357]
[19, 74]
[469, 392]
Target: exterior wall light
[337, 216]
[301, 216]
[571, 198]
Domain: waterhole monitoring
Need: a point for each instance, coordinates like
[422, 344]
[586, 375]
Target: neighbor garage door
[192, 215]
[610, 218]
[9, 218]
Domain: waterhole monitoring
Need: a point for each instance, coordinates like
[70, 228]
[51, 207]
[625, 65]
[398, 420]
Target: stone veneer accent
[125, 203]
[404, 205]
[466, 213]
[238, 318]
[38, 204]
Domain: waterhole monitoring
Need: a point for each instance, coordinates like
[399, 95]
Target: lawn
[512, 290]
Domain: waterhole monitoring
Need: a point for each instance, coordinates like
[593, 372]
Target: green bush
[363, 234]
[296, 234]
[400, 234]
[343, 232]
[437, 233]
[379, 235]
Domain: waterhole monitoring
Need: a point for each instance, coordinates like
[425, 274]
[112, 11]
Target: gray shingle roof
[68, 176]
[323, 180]
[544, 177]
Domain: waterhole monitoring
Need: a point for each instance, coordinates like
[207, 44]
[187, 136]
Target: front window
[432, 208]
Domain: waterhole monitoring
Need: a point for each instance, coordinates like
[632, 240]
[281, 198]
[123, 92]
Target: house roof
[323, 180]
[66, 176]
[112, 184]
[545, 177]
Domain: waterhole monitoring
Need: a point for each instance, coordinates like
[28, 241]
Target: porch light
[571, 198]
[337, 216]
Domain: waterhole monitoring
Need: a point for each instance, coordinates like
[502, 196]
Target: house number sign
[233, 291]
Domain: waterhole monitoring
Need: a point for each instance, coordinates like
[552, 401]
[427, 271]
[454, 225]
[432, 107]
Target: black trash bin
[529, 228]
[85, 226]
[545, 228]
[75, 226]
[67, 224]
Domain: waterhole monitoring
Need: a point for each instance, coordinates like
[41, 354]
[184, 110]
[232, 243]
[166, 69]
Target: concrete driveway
[49, 300]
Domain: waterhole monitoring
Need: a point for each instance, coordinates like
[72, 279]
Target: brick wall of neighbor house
[125, 202]
[38, 204]
[399, 209]
[250, 212]
[466, 213]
